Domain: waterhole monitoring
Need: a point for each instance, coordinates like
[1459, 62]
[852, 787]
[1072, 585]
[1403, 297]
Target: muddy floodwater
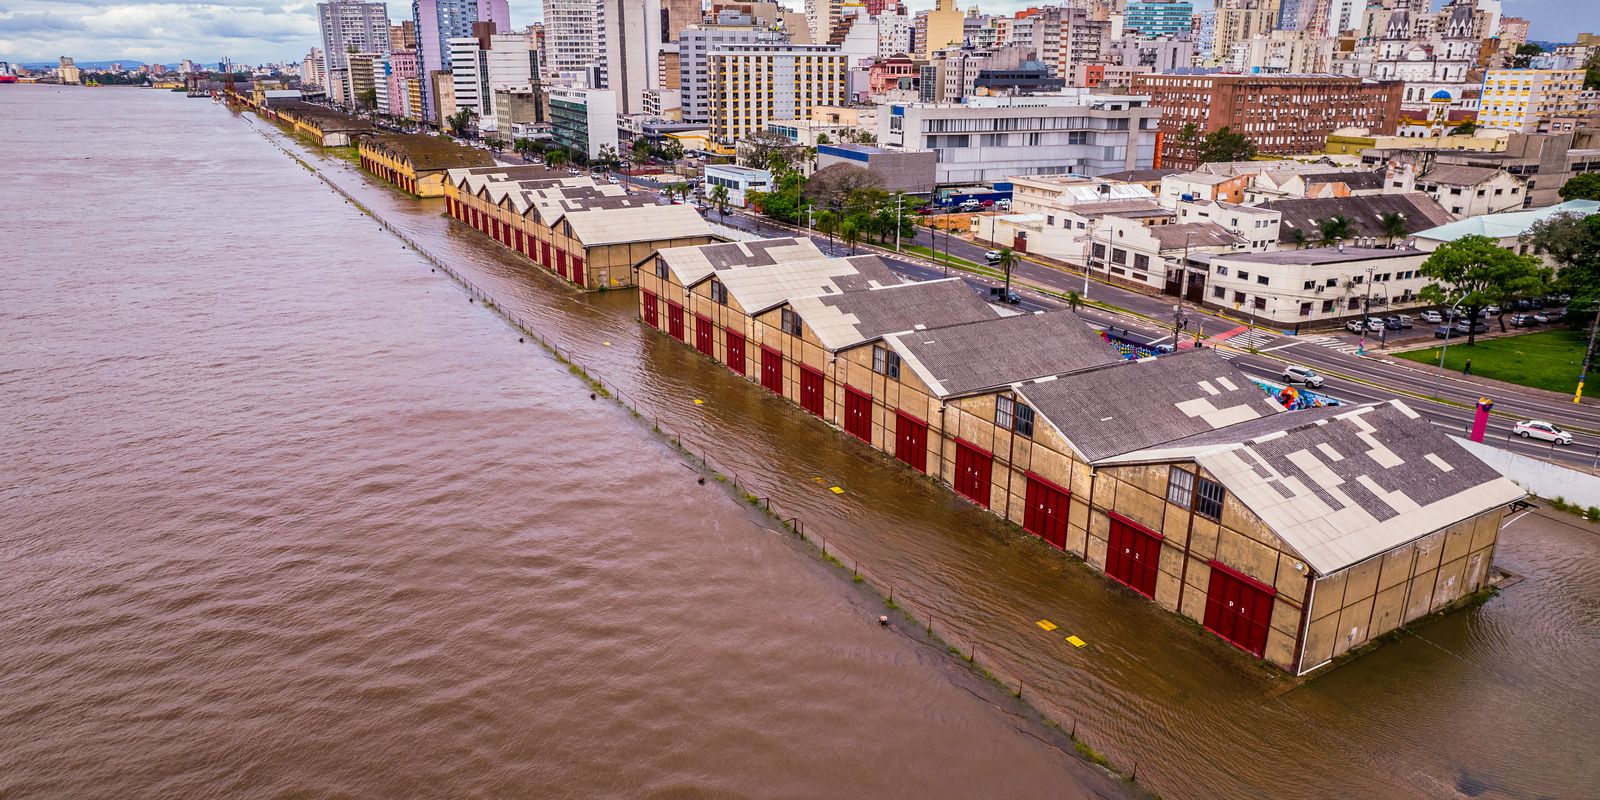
[285, 515]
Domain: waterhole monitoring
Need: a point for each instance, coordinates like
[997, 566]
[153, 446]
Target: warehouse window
[1208, 499]
[1180, 487]
[661, 268]
[885, 361]
[791, 322]
[719, 292]
[1014, 416]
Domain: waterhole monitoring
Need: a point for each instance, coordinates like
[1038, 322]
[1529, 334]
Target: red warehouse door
[772, 369]
[858, 414]
[674, 319]
[735, 350]
[1133, 555]
[974, 473]
[811, 390]
[1239, 608]
[544, 248]
[648, 309]
[911, 441]
[520, 246]
[704, 341]
[1046, 516]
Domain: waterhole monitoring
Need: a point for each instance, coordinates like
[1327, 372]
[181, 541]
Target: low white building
[739, 181]
[1316, 286]
[1259, 227]
[1471, 191]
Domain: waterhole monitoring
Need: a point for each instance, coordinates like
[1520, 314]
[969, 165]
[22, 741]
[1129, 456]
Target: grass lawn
[1545, 360]
[953, 261]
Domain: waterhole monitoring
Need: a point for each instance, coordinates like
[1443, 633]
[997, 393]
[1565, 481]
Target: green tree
[1394, 225]
[1475, 272]
[495, 143]
[1591, 71]
[758, 148]
[672, 151]
[1464, 129]
[1006, 261]
[367, 98]
[822, 138]
[1524, 55]
[850, 233]
[606, 158]
[1074, 300]
[1334, 228]
[1298, 236]
[460, 122]
[1224, 144]
[640, 152]
[555, 158]
[827, 223]
[1572, 242]
[719, 198]
[784, 202]
[1583, 186]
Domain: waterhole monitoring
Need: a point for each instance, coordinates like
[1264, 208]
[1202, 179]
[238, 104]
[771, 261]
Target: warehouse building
[584, 232]
[417, 163]
[1294, 536]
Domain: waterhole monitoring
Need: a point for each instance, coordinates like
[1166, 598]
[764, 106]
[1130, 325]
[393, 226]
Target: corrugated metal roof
[647, 223]
[846, 320]
[694, 263]
[759, 289]
[959, 359]
[1503, 226]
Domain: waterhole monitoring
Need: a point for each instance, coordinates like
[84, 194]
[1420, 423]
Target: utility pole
[898, 198]
[1183, 280]
[1450, 326]
[1366, 314]
[1588, 356]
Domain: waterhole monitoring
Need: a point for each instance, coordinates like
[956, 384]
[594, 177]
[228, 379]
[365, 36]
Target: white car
[992, 255]
[1432, 316]
[1302, 375]
[1544, 431]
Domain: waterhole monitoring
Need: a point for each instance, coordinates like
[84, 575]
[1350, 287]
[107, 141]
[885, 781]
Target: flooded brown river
[285, 515]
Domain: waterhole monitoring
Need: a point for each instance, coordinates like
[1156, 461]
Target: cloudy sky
[253, 31]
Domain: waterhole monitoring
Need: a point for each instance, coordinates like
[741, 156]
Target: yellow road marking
[1075, 641]
[1046, 624]
[835, 490]
[699, 402]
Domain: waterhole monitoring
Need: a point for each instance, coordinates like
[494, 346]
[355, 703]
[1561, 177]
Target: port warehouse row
[1293, 535]
[1296, 536]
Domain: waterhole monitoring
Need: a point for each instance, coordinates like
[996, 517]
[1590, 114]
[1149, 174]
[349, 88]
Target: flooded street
[285, 514]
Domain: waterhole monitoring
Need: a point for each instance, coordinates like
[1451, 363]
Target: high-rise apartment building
[751, 84]
[312, 69]
[1153, 18]
[694, 71]
[940, 28]
[571, 36]
[822, 16]
[439, 21]
[1239, 21]
[350, 26]
[1287, 114]
[681, 14]
[1518, 100]
[482, 65]
[630, 36]
[404, 35]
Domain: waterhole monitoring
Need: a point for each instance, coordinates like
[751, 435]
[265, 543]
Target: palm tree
[1074, 300]
[1299, 238]
[827, 222]
[809, 155]
[850, 233]
[719, 198]
[1006, 261]
[1394, 225]
[1334, 228]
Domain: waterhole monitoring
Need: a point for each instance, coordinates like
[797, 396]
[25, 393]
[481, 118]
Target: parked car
[1302, 375]
[1404, 319]
[1553, 315]
[1353, 326]
[998, 294]
[1524, 320]
[1563, 299]
[992, 255]
[970, 205]
[1374, 324]
[1003, 205]
[1491, 311]
[1472, 326]
[1441, 332]
[1544, 431]
[1392, 323]
[1432, 317]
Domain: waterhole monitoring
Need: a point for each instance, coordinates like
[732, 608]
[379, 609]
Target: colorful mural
[1296, 398]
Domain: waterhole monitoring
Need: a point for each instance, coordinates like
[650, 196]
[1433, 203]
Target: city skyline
[264, 31]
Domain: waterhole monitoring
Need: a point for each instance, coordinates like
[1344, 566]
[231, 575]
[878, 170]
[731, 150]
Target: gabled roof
[643, 223]
[429, 153]
[1342, 485]
[1458, 175]
[1365, 213]
[1511, 223]
[691, 264]
[846, 320]
[1194, 234]
[1133, 405]
[763, 288]
[975, 356]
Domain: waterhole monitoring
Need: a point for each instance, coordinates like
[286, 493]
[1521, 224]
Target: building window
[1119, 256]
[719, 292]
[1310, 284]
[1332, 282]
[1180, 487]
[661, 268]
[1208, 499]
[1327, 306]
[885, 361]
[791, 322]
[1218, 292]
[1261, 279]
[1244, 276]
[1221, 270]
[1305, 309]
[1261, 304]
[1013, 416]
[1141, 261]
[1238, 297]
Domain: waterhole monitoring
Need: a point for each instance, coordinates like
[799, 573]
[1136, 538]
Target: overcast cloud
[254, 31]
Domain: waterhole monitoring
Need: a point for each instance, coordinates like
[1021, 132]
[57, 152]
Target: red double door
[1133, 555]
[735, 350]
[704, 340]
[651, 312]
[974, 472]
[1046, 514]
[1239, 608]
[858, 414]
[772, 370]
[811, 390]
[674, 319]
[911, 441]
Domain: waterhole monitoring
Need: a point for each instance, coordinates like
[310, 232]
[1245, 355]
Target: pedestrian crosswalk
[1251, 339]
[1332, 343]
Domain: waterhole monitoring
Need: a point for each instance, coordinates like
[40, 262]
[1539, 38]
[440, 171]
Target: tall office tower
[694, 47]
[571, 36]
[404, 35]
[439, 21]
[630, 36]
[348, 27]
[754, 83]
[487, 62]
[312, 70]
[681, 14]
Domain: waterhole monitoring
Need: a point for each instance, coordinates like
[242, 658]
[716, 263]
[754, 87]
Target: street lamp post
[1450, 326]
[1183, 279]
[1366, 314]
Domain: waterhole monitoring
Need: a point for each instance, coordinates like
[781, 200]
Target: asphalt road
[1260, 352]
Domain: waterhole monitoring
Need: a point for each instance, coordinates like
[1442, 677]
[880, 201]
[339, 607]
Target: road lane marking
[1279, 347]
[1046, 624]
[1075, 641]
